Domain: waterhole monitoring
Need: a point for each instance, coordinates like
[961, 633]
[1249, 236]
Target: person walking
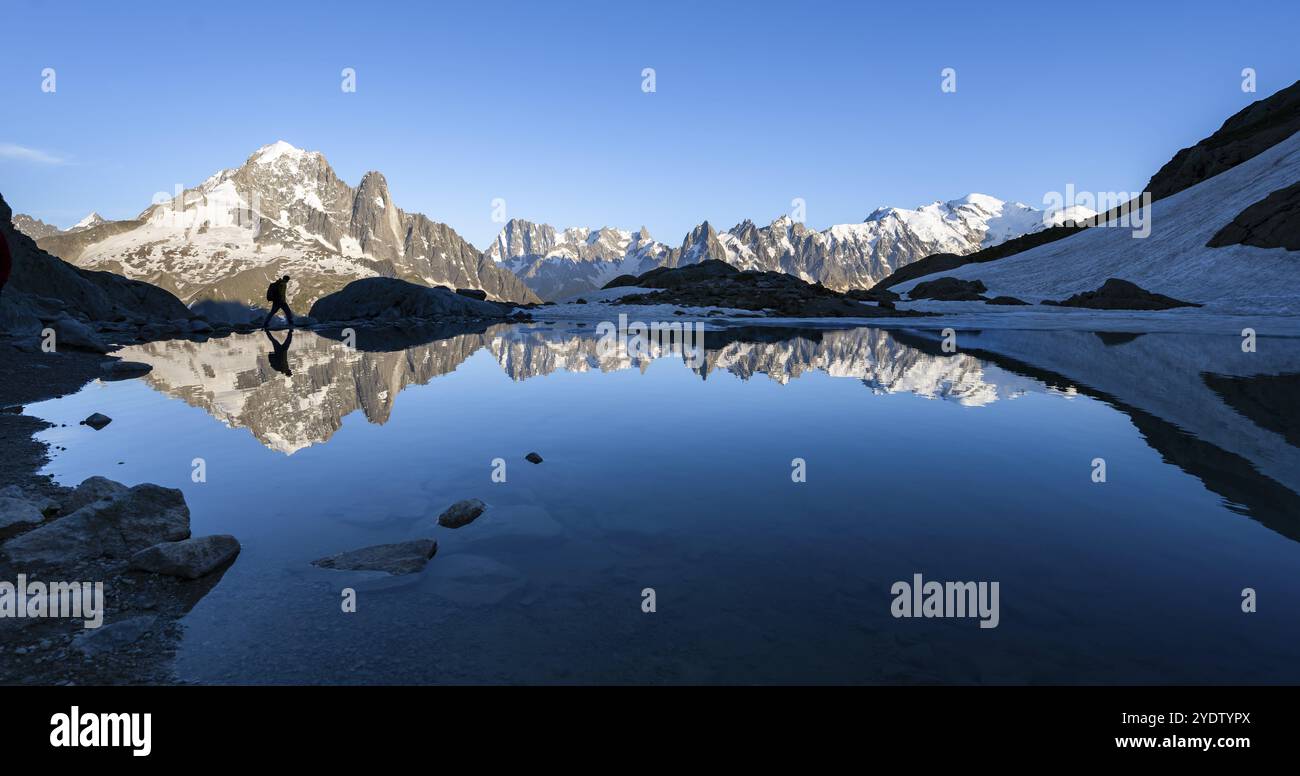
[276, 294]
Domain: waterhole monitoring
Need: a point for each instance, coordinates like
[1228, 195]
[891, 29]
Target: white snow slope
[1173, 259]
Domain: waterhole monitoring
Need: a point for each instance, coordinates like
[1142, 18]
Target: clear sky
[541, 104]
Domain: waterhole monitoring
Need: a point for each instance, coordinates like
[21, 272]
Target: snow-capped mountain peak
[91, 219]
[268, 154]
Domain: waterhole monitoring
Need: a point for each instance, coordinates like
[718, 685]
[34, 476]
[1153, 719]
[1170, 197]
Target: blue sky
[541, 104]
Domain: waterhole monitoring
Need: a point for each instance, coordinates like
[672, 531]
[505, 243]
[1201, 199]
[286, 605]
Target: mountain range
[284, 211]
[557, 263]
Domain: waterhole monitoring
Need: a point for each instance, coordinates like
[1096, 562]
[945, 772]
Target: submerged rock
[949, 289]
[1006, 300]
[115, 526]
[97, 421]
[400, 558]
[1116, 294]
[463, 512]
[189, 558]
[533, 458]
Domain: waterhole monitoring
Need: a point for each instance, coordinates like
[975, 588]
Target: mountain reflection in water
[1227, 417]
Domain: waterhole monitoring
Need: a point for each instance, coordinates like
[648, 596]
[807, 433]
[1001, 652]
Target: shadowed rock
[189, 558]
[1116, 294]
[18, 511]
[714, 283]
[116, 526]
[1272, 222]
[114, 636]
[389, 299]
[1006, 300]
[949, 289]
[533, 458]
[400, 558]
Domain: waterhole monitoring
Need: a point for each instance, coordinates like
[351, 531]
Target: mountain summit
[284, 211]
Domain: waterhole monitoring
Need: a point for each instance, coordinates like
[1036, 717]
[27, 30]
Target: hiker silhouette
[279, 355]
[275, 294]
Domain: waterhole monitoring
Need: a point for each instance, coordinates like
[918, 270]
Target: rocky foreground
[134, 545]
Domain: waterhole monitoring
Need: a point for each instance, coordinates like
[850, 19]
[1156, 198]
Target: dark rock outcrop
[1272, 222]
[949, 289]
[622, 281]
[1006, 300]
[45, 289]
[714, 283]
[389, 299]
[876, 294]
[1116, 294]
[1248, 133]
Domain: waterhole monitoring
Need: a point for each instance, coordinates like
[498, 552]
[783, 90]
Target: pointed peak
[279, 149]
[90, 220]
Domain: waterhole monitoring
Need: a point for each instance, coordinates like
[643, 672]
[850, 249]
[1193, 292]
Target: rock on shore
[389, 299]
[117, 523]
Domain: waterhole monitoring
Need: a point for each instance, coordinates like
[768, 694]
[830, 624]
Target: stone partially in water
[533, 458]
[401, 558]
[461, 513]
[189, 558]
[97, 421]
